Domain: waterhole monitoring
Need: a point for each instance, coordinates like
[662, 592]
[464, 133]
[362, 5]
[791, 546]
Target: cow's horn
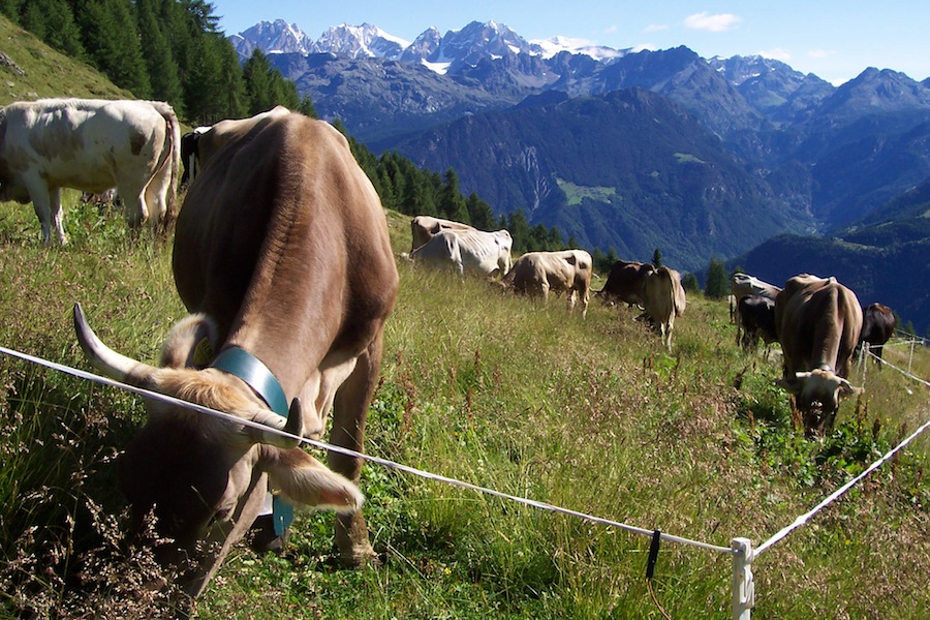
[105, 359]
[294, 425]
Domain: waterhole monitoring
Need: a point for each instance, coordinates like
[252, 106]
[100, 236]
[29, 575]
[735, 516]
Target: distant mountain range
[720, 154]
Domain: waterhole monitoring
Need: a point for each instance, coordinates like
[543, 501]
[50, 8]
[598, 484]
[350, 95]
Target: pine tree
[257, 75]
[657, 258]
[689, 282]
[479, 212]
[159, 59]
[112, 46]
[451, 204]
[306, 107]
[717, 284]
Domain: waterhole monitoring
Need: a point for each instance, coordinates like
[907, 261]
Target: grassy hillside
[592, 415]
[31, 70]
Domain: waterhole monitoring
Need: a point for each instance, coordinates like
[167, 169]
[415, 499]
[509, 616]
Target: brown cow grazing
[625, 283]
[425, 227]
[536, 273]
[818, 323]
[282, 242]
[755, 318]
[664, 300]
[878, 323]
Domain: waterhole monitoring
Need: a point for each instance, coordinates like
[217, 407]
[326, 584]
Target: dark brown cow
[425, 227]
[818, 323]
[282, 242]
[878, 323]
[625, 283]
[755, 318]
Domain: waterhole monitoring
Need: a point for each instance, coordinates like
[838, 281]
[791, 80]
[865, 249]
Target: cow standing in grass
[818, 322]
[567, 271]
[282, 247]
[90, 145]
[878, 323]
[664, 301]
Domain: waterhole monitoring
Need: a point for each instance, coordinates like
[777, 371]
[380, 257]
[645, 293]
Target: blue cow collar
[240, 363]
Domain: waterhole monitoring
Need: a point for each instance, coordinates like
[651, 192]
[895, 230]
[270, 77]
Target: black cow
[878, 323]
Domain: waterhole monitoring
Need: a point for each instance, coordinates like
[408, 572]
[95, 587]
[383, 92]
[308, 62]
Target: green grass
[495, 390]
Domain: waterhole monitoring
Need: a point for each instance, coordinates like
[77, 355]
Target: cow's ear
[191, 343]
[306, 482]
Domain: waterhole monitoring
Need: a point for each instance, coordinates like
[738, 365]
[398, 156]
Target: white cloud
[776, 53]
[655, 28]
[712, 23]
[820, 53]
[611, 29]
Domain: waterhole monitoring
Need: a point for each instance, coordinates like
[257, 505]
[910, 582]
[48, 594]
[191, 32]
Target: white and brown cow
[664, 300]
[472, 251]
[818, 323]
[282, 244]
[425, 227]
[90, 145]
[568, 271]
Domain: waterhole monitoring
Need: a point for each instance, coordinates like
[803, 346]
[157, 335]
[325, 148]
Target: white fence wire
[743, 595]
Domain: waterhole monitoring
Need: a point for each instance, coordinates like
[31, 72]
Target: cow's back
[818, 322]
[280, 214]
[80, 143]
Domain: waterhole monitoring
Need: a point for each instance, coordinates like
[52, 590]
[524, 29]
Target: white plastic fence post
[744, 591]
[911, 360]
[863, 354]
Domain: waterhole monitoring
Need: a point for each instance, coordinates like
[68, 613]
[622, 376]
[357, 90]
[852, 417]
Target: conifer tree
[159, 59]
[113, 45]
[716, 286]
[451, 204]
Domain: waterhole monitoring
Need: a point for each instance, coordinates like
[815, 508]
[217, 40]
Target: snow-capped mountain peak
[361, 41]
[440, 53]
[548, 48]
[270, 37]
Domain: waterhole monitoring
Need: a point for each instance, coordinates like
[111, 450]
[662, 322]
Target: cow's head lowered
[199, 473]
[818, 395]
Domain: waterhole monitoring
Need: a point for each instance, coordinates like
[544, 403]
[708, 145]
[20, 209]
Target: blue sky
[835, 39]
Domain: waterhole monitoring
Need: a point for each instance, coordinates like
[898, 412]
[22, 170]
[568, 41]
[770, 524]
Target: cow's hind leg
[350, 409]
[134, 196]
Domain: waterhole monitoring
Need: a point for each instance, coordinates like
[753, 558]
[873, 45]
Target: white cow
[474, 251]
[424, 227]
[90, 145]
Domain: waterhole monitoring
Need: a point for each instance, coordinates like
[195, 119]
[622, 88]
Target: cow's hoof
[359, 560]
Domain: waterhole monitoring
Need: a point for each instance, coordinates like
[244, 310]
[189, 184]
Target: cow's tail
[171, 156]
